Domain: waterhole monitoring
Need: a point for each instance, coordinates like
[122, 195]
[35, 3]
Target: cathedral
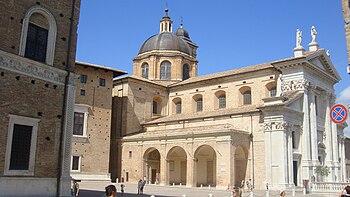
[268, 122]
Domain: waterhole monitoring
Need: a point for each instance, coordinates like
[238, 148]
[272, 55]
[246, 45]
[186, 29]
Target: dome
[182, 32]
[165, 41]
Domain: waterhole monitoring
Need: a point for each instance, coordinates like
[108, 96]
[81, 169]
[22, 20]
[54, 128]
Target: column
[329, 145]
[343, 165]
[290, 157]
[164, 166]
[313, 129]
[306, 149]
[191, 172]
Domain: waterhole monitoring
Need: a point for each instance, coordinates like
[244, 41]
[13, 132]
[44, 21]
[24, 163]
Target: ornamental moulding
[294, 85]
[16, 64]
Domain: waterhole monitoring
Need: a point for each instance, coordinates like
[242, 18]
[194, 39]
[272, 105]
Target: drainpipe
[65, 100]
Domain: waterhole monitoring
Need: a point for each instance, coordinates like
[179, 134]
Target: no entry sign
[339, 113]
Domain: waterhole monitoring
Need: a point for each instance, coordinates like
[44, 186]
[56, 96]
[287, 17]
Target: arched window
[177, 104]
[156, 105]
[247, 97]
[185, 72]
[165, 70]
[38, 36]
[222, 101]
[271, 89]
[272, 92]
[199, 104]
[144, 69]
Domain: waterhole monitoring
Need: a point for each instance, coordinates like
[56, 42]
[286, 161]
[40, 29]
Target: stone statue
[313, 34]
[298, 38]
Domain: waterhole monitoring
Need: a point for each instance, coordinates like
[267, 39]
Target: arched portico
[177, 168]
[205, 167]
[151, 163]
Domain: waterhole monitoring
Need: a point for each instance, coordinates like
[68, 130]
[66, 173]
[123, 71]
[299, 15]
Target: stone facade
[93, 98]
[33, 98]
[267, 122]
[346, 15]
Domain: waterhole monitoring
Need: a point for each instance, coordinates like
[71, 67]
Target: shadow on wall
[94, 193]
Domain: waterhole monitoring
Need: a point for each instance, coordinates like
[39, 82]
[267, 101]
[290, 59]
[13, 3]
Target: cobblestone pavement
[96, 189]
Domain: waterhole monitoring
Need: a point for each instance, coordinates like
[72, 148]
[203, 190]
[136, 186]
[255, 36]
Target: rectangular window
[178, 107]
[76, 163]
[82, 92]
[199, 105]
[20, 150]
[130, 154]
[21, 146]
[83, 78]
[247, 98]
[222, 102]
[102, 82]
[78, 128]
[155, 107]
[36, 43]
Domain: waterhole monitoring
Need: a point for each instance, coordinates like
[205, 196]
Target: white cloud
[344, 98]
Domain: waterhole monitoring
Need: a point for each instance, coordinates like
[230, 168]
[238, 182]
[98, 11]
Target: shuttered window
[247, 98]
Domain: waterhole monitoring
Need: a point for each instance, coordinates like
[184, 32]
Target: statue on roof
[313, 34]
[298, 38]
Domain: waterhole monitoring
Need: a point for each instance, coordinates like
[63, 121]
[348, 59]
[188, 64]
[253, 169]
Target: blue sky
[230, 33]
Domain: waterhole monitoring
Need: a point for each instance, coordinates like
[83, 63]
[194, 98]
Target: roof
[226, 73]
[165, 41]
[206, 114]
[116, 72]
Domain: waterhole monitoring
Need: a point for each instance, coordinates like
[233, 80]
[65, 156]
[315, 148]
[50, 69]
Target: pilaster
[306, 149]
[313, 128]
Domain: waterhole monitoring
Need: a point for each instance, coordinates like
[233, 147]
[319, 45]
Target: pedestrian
[111, 191]
[143, 186]
[248, 184]
[74, 188]
[122, 186]
[139, 185]
[242, 184]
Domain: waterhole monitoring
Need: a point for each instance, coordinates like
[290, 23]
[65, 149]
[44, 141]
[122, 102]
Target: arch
[177, 105]
[165, 70]
[197, 103]
[205, 166]
[221, 99]
[52, 31]
[177, 171]
[246, 95]
[151, 159]
[271, 89]
[144, 70]
[185, 71]
[241, 164]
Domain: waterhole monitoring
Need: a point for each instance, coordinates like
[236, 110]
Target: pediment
[317, 62]
[322, 62]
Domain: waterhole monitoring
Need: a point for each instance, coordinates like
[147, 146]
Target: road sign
[338, 113]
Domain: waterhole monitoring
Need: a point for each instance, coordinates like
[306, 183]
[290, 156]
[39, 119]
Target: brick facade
[34, 91]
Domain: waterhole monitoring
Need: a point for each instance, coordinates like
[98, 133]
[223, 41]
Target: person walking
[139, 185]
[74, 188]
[122, 186]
